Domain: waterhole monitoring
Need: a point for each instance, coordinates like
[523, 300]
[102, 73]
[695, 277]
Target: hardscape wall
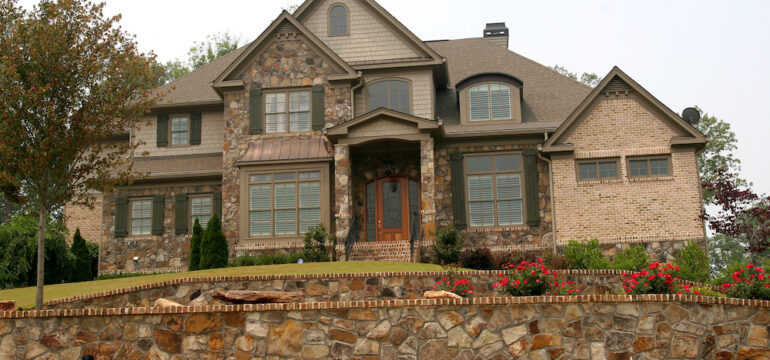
[570, 327]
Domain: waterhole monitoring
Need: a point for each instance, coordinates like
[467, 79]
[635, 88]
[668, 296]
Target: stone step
[379, 251]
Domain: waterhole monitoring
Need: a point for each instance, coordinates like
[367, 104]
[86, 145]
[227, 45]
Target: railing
[414, 232]
[351, 238]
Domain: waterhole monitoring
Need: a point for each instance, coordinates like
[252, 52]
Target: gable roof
[695, 136]
[414, 41]
[420, 123]
[223, 79]
[548, 96]
[195, 87]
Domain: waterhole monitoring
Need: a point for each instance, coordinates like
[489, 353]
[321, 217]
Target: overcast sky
[714, 54]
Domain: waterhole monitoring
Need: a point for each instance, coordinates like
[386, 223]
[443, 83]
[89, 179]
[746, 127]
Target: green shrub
[315, 249]
[634, 258]
[585, 255]
[93, 252]
[266, 259]
[478, 259]
[749, 282]
[214, 250]
[656, 278]
[532, 279]
[81, 267]
[195, 246]
[446, 248]
[693, 263]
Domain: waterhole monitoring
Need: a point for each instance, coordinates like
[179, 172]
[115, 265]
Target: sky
[714, 54]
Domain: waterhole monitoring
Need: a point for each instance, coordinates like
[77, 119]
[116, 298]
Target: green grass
[25, 297]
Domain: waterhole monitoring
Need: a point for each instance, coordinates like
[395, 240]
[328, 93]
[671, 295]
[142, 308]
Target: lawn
[25, 297]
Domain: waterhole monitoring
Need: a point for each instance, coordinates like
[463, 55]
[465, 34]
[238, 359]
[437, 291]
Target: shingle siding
[212, 134]
[421, 87]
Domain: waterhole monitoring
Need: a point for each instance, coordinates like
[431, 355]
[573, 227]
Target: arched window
[338, 20]
[489, 102]
[391, 94]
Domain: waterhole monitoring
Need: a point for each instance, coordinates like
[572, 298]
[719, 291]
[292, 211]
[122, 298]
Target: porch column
[427, 188]
[342, 190]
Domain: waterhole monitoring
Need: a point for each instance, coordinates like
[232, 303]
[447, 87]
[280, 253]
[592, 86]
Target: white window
[201, 209]
[284, 203]
[141, 216]
[297, 112]
[180, 131]
[489, 102]
[494, 190]
[338, 20]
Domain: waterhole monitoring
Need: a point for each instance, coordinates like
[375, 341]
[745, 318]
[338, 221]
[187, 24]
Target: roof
[195, 86]
[420, 123]
[179, 165]
[286, 150]
[693, 136]
[549, 97]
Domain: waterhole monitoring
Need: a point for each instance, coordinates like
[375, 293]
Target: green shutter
[157, 215]
[318, 107]
[458, 189]
[255, 111]
[195, 129]
[180, 220]
[217, 203]
[121, 217]
[532, 187]
[162, 130]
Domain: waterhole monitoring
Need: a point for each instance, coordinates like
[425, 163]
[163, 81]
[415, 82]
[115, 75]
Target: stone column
[427, 188]
[342, 191]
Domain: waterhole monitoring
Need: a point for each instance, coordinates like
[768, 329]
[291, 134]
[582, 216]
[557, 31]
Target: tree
[201, 53]
[718, 153]
[69, 77]
[589, 79]
[214, 251]
[195, 246]
[81, 270]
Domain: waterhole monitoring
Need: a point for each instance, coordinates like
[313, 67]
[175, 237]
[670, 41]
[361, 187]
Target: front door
[392, 208]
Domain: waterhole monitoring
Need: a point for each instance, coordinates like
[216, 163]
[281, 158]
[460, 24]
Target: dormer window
[490, 97]
[390, 94]
[489, 102]
[338, 20]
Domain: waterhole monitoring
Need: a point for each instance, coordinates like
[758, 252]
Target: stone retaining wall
[550, 327]
[326, 287]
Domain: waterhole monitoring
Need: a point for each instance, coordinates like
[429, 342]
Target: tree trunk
[41, 256]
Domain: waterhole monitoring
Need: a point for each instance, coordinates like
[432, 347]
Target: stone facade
[89, 221]
[161, 253]
[570, 327]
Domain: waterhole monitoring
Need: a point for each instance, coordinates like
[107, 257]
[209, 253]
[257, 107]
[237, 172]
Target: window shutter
[217, 203]
[121, 217]
[195, 129]
[255, 111]
[181, 214]
[318, 107]
[157, 215]
[532, 187]
[458, 189]
[162, 129]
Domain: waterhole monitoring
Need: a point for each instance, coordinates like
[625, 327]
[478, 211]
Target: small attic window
[338, 20]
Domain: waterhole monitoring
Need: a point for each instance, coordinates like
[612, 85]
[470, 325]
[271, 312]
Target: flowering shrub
[657, 278]
[748, 283]
[532, 279]
[459, 287]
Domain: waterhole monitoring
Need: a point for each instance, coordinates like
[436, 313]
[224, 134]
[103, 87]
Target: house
[339, 115]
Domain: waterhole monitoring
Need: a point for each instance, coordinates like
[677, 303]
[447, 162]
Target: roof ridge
[204, 67]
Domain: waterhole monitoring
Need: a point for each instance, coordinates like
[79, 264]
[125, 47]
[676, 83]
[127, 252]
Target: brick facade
[89, 221]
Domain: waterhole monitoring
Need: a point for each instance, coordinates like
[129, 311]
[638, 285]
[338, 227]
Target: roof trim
[221, 81]
[489, 76]
[422, 123]
[417, 42]
[551, 145]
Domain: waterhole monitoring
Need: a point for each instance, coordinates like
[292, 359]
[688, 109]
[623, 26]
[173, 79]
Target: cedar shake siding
[385, 137]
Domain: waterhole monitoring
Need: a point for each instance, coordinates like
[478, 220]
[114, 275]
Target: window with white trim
[287, 111]
[141, 216]
[489, 102]
[494, 186]
[284, 203]
[180, 130]
[201, 208]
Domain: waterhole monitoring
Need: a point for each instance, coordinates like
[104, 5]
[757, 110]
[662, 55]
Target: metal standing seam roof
[286, 149]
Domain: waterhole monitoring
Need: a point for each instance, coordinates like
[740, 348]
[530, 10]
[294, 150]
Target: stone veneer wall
[285, 62]
[548, 327]
[158, 253]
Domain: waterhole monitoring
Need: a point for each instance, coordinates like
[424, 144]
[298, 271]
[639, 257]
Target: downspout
[353, 95]
[550, 189]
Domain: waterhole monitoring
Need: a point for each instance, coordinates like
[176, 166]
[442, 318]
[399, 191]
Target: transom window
[141, 216]
[201, 209]
[390, 94]
[180, 131]
[489, 102]
[597, 169]
[284, 203]
[338, 20]
[494, 190]
[287, 111]
[649, 167]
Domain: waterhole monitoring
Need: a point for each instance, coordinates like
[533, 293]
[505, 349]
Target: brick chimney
[497, 33]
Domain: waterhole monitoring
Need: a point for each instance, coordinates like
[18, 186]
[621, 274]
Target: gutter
[353, 94]
[550, 190]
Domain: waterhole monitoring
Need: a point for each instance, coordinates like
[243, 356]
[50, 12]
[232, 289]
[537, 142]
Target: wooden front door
[392, 211]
